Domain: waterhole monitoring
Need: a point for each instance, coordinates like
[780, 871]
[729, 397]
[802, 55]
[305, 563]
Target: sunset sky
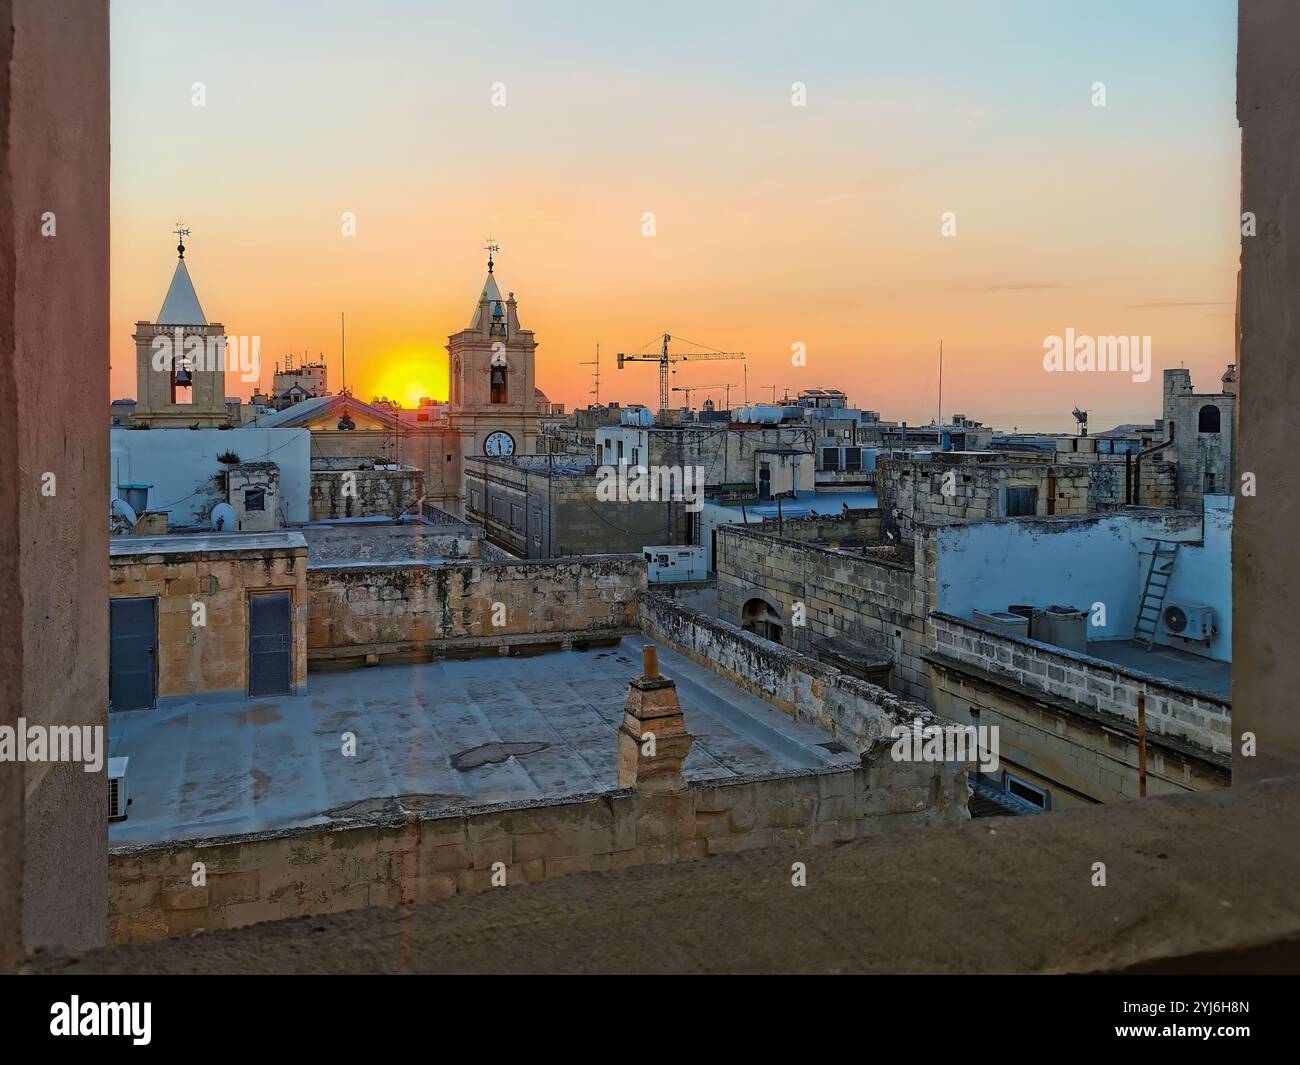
[775, 224]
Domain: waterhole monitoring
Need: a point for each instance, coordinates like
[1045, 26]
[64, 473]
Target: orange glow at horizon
[775, 227]
[404, 376]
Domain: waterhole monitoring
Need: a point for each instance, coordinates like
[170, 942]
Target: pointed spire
[181, 305]
[491, 295]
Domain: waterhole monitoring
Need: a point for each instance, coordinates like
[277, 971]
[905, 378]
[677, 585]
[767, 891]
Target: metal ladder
[1159, 574]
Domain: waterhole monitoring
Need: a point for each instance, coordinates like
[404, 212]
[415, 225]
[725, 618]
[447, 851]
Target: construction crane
[665, 357]
[688, 389]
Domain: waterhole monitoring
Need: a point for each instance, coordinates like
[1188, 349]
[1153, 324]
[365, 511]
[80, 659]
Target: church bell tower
[494, 404]
[180, 359]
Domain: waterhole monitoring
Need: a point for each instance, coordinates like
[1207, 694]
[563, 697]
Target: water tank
[1004, 621]
[768, 415]
[1067, 627]
[136, 496]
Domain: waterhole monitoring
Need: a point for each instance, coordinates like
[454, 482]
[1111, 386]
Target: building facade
[1202, 430]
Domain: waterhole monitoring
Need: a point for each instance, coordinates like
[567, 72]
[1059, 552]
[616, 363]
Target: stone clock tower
[494, 406]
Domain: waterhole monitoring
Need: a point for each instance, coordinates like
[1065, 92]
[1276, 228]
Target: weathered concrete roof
[204, 543]
[206, 769]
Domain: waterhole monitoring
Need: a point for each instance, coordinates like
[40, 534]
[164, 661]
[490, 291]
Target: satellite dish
[223, 518]
[122, 509]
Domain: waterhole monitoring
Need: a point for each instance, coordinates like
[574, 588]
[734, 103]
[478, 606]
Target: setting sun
[405, 376]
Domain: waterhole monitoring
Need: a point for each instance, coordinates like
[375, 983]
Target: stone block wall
[913, 491]
[386, 541]
[361, 493]
[1157, 482]
[396, 608]
[1195, 717]
[246, 477]
[862, 597]
[212, 657]
[535, 515]
[856, 525]
[1200, 455]
[1079, 758]
[434, 451]
[404, 858]
[850, 709]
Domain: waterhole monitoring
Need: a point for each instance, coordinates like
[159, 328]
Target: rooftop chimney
[652, 741]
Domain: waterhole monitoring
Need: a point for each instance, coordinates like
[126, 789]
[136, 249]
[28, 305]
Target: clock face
[499, 443]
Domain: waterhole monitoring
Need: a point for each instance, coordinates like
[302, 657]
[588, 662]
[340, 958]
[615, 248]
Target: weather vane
[181, 233]
[491, 247]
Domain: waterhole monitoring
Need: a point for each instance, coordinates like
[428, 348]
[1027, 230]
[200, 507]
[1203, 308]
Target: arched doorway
[759, 618]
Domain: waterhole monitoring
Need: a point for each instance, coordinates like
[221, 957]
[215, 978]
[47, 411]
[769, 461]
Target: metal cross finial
[491, 247]
[181, 232]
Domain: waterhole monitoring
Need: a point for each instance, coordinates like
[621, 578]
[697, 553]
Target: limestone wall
[396, 608]
[913, 491]
[851, 595]
[849, 709]
[212, 657]
[361, 493]
[1077, 757]
[387, 541]
[403, 858]
[433, 451]
[1195, 717]
[854, 525]
[1157, 478]
[538, 516]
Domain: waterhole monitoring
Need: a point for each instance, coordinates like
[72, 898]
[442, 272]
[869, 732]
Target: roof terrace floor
[1168, 663]
[430, 737]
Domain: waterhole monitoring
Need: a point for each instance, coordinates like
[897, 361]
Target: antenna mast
[595, 391]
[940, 421]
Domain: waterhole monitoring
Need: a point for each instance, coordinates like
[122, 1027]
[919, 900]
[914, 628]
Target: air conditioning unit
[1188, 621]
[118, 797]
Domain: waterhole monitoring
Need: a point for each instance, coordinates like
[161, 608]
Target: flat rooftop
[209, 543]
[1168, 663]
[826, 504]
[431, 737]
